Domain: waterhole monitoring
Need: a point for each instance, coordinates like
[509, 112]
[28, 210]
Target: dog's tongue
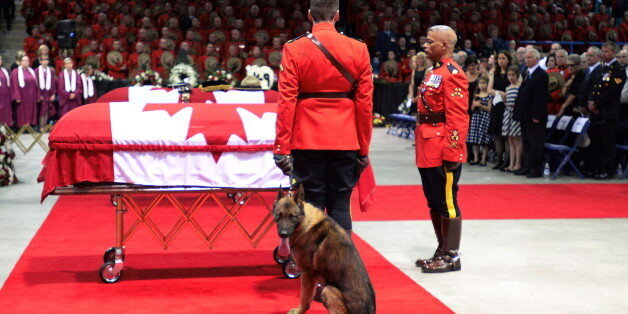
[284, 247]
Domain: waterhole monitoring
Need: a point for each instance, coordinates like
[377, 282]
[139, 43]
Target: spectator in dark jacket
[531, 112]
[386, 41]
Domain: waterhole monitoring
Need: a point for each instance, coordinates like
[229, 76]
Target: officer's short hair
[441, 28]
[324, 10]
[612, 46]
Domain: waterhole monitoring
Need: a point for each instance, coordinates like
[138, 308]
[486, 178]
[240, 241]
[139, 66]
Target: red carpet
[58, 271]
[508, 201]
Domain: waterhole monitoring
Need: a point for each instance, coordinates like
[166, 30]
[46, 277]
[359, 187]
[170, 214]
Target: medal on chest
[606, 77]
[434, 81]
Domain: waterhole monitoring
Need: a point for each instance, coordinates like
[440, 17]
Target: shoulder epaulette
[358, 39]
[452, 68]
[296, 38]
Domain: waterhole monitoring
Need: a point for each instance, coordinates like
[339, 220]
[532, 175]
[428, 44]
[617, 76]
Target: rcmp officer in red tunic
[324, 114]
[440, 145]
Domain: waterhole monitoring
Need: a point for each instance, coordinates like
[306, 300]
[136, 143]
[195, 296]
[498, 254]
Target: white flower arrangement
[101, 76]
[150, 76]
[183, 73]
[220, 75]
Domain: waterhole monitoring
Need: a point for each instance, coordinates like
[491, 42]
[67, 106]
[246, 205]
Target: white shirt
[591, 68]
[611, 62]
[543, 64]
[532, 69]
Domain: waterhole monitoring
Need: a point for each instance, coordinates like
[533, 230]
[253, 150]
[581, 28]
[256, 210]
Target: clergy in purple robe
[47, 79]
[89, 89]
[6, 114]
[25, 93]
[69, 88]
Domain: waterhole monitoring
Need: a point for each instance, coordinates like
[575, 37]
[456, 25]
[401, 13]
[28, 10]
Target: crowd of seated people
[483, 27]
[124, 38]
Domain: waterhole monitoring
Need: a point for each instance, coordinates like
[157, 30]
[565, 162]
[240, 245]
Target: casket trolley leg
[111, 270]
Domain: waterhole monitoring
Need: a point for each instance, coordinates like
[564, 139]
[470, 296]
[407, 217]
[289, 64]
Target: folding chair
[395, 123]
[624, 164]
[550, 126]
[408, 124]
[558, 131]
[402, 125]
[568, 147]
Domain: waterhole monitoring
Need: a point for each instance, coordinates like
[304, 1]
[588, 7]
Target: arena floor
[559, 265]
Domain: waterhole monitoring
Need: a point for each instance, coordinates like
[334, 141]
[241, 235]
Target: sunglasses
[571, 65]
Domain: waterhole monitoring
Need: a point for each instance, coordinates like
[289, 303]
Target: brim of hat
[215, 88]
[247, 88]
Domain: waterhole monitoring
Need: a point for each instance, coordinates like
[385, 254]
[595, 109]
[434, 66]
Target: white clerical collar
[591, 68]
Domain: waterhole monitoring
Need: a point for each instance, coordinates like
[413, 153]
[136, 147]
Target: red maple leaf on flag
[217, 122]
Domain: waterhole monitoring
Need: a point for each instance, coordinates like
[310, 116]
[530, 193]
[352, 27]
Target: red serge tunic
[318, 123]
[445, 89]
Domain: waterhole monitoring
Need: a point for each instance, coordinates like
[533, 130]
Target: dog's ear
[299, 197]
[280, 193]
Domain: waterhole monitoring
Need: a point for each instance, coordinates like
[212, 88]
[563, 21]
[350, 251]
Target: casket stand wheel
[280, 259]
[291, 270]
[110, 255]
[111, 270]
[108, 273]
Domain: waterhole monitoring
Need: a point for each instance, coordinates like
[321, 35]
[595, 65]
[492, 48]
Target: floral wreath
[220, 75]
[101, 76]
[183, 73]
[149, 77]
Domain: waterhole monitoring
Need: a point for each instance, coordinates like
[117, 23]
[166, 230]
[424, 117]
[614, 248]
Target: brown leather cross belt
[436, 117]
[326, 95]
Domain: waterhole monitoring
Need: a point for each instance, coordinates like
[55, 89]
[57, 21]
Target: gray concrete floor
[521, 266]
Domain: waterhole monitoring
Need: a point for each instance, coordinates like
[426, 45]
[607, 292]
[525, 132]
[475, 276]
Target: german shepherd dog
[325, 253]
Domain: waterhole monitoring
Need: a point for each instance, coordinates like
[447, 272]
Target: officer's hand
[362, 163]
[284, 162]
[450, 165]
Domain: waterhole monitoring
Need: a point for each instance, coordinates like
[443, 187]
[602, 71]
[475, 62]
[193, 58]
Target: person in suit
[603, 105]
[593, 56]
[531, 112]
[385, 41]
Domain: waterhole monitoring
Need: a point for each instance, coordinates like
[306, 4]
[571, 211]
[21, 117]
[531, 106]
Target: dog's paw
[296, 311]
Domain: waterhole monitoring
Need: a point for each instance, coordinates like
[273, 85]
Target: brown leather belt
[326, 95]
[434, 118]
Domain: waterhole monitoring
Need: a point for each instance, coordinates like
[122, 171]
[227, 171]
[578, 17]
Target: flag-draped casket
[153, 140]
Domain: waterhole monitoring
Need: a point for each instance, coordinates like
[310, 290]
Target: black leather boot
[449, 260]
[436, 223]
